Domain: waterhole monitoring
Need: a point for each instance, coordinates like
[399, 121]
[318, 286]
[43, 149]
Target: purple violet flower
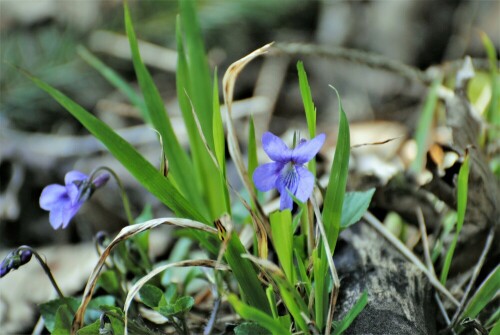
[287, 173]
[64, 201]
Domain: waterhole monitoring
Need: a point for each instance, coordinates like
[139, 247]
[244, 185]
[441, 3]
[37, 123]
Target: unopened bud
[101, 180]
[25, 256]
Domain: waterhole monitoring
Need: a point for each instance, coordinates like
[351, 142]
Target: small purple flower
[64, 201]
[287, 173]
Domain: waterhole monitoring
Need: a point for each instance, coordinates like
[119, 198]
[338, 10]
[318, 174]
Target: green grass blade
[115, 79]
[463, 180]
[484, 294]
[199, 73]
[493, 114]
[139, 167]
[352, 314]
[220, 141]
[320, 288]
[218, 128]
[310, 109]
[205, 168]
[246, 275]
[334, 198]
[282, 234]
[254, 314]
[424, 126]
[181, 168]
[305, 92]
[252, 148]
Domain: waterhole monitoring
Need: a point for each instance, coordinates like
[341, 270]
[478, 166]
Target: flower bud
[101, 180]
[4, 269]
[25, 256]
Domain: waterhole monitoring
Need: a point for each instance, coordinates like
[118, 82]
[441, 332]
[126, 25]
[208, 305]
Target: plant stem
[45, 268]
[126, 203]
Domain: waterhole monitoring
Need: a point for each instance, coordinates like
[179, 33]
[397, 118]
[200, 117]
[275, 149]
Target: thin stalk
[126, 203]
[475, 274]
[428, 261]
[45, 268]
[333, 270]
[379, 227]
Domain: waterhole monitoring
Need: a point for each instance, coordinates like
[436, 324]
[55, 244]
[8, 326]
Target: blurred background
[40, 142]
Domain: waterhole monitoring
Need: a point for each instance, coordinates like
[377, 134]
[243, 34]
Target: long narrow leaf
[251, 313]
[137, 165]
[463, 179]
[352, 314]
[115, 79]
[484, 294]
[199, 73]
[181, 168]
[334, 198]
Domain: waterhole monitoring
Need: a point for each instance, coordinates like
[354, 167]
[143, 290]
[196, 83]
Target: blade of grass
[282, 233]
[291, 298]
[181, 168]
[352, 314]
[493, 114]
[204, 166]
[251, 313]
[484, 294]
[199, 74]
[310, 109]
[424, 126]
[462, 186]
[220, 141]
[139, 167]
[115, 79]
[334, 198]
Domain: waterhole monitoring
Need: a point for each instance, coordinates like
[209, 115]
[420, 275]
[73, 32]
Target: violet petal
[265, 176]
[52, 196]
[73, 176]
[306, 184]
[275, 148]
[306, 151]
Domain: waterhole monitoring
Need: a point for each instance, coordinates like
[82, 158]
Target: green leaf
[424, 126]
[49, 309]
[355, 205]
[181, 306]
[63, 321]
[252, 148]
[462, 186]
[115, 79]
[282, 236]
[493, 114]
[152, 296]
[250, 328]
[199, 73]
[246, 275]
[187, 95]
[484, 294]
[92, 329]
[94, 310]
[109, 282]
[334, 198]
[305, 92]
[351, 315]
[181, 168]
[139, 167]
[254, 314]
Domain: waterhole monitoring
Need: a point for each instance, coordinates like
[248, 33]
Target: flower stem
[126, 203]
[45, 268]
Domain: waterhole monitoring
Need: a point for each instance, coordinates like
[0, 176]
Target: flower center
[290, 177]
